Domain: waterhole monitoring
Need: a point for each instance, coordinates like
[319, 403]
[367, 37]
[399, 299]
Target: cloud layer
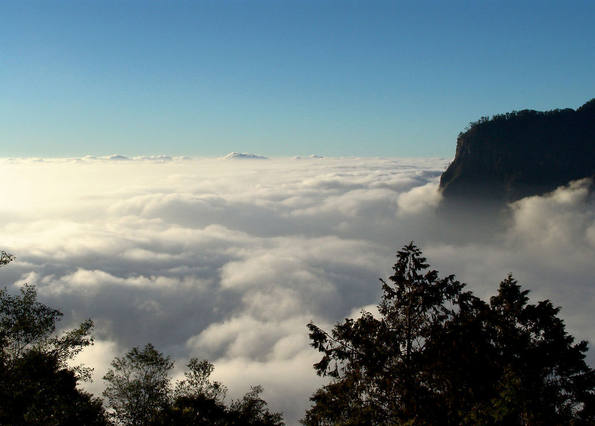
[229, 260]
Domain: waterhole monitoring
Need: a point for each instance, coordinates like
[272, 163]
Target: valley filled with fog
[228, 259]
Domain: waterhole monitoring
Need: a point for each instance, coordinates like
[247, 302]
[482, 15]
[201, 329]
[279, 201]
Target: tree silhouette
[252, 410]
[138, 386]
[139, 392]
[36, 390]
[439, 355]
[197, 400]
[37, 386]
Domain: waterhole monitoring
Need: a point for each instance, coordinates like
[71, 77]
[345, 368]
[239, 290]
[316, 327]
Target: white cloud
[98, 358]
[231, 260]
[418, 199]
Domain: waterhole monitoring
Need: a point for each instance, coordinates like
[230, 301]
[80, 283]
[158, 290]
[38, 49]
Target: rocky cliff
[513, 155]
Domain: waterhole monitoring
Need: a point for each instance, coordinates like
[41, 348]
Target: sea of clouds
[228, 259]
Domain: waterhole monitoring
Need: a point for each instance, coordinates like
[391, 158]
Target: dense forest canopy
[524, 114]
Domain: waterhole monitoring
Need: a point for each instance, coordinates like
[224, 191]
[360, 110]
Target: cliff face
[523, 153]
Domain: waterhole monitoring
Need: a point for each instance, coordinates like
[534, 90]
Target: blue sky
[280, 78]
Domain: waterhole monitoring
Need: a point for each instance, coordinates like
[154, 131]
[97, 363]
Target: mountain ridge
[522, 153]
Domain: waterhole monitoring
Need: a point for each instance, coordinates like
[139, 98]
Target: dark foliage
[36, 390]
[200, 409]
[253, 410]
[37, 387]
[439, 355]
[194, 410]
[513, 155]
[139, 393]
[138, 386]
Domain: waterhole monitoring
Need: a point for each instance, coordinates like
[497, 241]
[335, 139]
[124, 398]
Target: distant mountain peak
[117, 157]
[243, 156]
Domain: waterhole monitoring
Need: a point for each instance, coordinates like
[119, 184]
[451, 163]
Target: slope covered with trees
[513, 155]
